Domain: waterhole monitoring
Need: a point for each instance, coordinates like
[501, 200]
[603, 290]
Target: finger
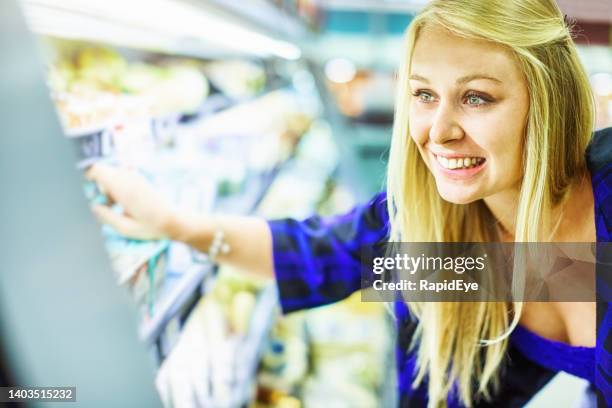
[122, 224]
[92, 173]
[110, 201]
[103, 175]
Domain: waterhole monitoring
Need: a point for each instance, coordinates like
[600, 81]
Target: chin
[457, 197]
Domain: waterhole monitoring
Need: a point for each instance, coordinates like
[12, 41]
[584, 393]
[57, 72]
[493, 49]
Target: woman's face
[467, 114]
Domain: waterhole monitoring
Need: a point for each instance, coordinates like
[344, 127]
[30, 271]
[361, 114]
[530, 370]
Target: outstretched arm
[147, 215]
[315, 261]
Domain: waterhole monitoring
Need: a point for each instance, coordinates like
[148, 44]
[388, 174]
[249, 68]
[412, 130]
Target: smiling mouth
[459, 163]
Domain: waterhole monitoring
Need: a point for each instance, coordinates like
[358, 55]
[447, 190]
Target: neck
[576, 223]
[567, 218]
[503, 206]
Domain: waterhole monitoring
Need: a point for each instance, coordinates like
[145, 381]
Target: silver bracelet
[218, 246]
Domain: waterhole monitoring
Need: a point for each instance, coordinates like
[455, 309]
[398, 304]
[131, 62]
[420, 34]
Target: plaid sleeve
[603, 356]
[599, 159]
[317, 260]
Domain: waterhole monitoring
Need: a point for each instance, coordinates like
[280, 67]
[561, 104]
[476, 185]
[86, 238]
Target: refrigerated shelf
[89, 21]
[251, 347]
[176, 293]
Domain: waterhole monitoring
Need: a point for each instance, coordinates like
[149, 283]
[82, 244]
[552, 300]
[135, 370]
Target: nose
[445, 127]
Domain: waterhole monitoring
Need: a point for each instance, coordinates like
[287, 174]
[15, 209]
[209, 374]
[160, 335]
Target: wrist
[194, 230]
[174, 227]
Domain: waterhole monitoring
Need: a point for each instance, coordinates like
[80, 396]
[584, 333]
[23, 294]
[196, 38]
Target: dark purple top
[317, 261]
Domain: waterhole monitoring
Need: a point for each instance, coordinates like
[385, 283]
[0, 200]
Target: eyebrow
[462, 80]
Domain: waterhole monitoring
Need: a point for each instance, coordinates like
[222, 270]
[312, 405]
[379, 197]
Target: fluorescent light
[340, 70]
[151, 23]
[58, 23]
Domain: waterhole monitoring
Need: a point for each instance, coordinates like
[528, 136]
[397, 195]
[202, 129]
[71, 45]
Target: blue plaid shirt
[317, 261]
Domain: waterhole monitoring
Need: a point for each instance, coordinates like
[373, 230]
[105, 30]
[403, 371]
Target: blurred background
[270, 107]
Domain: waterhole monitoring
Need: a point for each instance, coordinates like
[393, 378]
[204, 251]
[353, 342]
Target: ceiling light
[340, 70]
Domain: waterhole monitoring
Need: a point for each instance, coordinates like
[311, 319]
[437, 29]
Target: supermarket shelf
[178, 291]
[94, 143]
[172, 300]
[87, 130]
[85, 163]
[255, 190]
[252, 346]
[213, 104]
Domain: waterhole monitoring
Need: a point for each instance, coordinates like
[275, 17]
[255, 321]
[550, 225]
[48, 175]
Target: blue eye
[476, 100]
[424, 97]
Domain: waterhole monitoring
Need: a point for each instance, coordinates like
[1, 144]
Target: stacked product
[95, 86]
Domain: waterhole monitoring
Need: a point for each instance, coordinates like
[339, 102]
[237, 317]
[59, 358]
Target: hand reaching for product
[146, 214]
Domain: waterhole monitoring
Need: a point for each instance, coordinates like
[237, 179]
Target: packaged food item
[140, 266]
[232, 181]
[133, 142]
[237, 79]
[351, 349]
[182, 88]
[99, 67]
[139, 78]
[212, 361]
[243, 304]
[185, 374]
[95, 145]
[94, 86]
[337, 354]
[61, 75]
[147, 281]
[83, 113]
[285, 361]
[237, 294]
[271, 398]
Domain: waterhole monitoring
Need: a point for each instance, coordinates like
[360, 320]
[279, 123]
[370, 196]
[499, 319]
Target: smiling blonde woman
[492, 142]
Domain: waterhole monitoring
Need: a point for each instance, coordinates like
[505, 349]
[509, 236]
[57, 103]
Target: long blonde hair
[464, 344]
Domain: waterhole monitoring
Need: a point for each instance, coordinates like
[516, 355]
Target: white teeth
[459, 163]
